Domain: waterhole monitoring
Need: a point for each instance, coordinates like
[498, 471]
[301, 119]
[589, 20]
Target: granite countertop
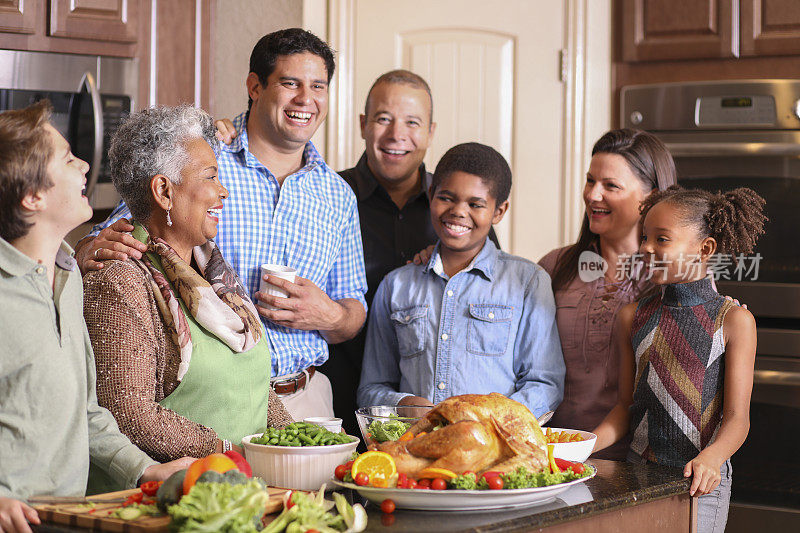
[617, 485]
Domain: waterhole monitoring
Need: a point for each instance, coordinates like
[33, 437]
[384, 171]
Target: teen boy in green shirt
[50, 423]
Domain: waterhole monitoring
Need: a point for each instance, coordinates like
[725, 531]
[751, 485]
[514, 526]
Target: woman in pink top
[626, 165]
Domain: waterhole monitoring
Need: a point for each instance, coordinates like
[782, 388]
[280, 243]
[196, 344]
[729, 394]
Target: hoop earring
[169, 220]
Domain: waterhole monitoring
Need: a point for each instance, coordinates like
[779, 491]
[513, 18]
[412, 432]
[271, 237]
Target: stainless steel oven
[727, 134]
[90, 97]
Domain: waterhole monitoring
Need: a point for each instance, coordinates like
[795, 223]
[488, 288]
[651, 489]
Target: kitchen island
[622, 497]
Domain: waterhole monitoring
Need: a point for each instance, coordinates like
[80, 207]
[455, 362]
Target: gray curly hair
[150, 142]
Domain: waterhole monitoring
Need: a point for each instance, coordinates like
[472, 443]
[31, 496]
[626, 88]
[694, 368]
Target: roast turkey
[472, 432]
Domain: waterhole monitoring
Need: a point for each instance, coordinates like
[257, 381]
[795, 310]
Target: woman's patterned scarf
[215, 298]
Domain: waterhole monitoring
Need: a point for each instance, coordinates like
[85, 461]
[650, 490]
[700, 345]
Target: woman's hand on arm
[113, 242]
[739, 328]
[617, 422]
[15, 515]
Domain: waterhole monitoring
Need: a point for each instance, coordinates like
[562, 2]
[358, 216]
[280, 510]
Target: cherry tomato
[312, 531]
[349, 464]
[149, 488]
[387, 519]
[578, 468]
[468, 472]
[438, 484]
[490, 474]
[362, 479]
[495, 482]
[340, 471]
[424, 484]
[387, 506]
[289, 502]
[411, 484]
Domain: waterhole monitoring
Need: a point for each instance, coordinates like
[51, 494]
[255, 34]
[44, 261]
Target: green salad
[380, 431]
[520, 478]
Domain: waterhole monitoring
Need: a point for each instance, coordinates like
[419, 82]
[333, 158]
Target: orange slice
[433, 473]
[379, 466]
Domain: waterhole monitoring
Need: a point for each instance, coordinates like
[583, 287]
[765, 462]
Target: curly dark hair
[285, 43]
[479, 160]
[735, 219]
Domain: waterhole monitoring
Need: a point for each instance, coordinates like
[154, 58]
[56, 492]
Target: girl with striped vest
[687, 353]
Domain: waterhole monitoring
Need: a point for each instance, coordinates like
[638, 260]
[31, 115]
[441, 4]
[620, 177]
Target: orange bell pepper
[216, 462]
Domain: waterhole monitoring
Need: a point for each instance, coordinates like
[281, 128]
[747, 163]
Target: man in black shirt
[391, 183]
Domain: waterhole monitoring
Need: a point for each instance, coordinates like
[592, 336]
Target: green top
[50, 422]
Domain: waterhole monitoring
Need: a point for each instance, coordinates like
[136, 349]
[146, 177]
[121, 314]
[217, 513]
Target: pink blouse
[585, 314]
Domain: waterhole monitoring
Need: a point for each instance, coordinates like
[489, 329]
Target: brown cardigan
[137, 365]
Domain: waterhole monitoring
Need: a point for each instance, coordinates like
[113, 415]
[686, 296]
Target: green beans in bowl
[288, 460]
[301, 434]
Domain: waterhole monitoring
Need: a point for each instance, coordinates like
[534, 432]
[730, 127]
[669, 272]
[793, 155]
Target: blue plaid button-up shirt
[310, 223]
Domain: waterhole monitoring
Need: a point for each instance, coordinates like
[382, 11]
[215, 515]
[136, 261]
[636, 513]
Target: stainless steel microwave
[91, 95]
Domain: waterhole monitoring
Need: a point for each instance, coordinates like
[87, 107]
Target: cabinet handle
[776, 377]
[97, 112]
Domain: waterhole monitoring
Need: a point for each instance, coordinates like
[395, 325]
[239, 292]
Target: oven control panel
[735, 110]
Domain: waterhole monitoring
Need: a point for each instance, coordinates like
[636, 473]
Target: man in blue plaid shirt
[286, 206]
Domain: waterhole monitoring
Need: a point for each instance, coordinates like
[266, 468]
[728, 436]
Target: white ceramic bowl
[574, 451]
[302, 467]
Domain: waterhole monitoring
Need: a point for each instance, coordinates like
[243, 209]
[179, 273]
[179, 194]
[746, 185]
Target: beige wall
[238, 26]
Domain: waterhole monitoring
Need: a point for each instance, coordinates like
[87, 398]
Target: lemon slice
[432, 473]
[379, 466]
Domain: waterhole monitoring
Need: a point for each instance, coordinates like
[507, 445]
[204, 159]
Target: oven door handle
[97, 112]
[718, 149]
[776, 377]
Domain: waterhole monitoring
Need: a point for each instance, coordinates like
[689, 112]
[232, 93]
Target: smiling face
[672, 250]
[197, 200]
[66, 205]
[463, 211]
[294, 101]
[612, 195]
[397, 131]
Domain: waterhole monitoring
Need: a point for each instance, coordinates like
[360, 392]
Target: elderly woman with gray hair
[182, 360]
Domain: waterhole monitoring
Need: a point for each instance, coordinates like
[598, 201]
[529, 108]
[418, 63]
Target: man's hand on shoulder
[113, 242]
[226, 133]
[15, 515]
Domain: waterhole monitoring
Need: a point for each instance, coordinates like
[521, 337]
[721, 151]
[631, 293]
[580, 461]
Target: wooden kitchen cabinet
[668, 30]
[679, 29]
[770, 27]
[91, 27]
[99, 20]
[17, 16]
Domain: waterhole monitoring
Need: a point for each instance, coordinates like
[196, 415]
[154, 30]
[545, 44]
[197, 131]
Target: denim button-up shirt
[489, 328]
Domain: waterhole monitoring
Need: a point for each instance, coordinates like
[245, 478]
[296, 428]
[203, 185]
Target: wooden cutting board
[79, 515]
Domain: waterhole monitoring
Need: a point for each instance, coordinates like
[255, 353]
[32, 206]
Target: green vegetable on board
[312, 511]
[301, 434]
[170, 492]
[223, 507]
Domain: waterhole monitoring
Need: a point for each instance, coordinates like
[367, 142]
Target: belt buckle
[294, 381]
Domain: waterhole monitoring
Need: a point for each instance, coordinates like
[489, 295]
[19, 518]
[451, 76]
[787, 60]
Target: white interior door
[494, 70]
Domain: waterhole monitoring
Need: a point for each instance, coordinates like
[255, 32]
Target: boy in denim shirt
[473, 319]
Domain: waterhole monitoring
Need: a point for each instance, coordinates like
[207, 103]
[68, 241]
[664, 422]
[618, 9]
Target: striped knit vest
[680, 371]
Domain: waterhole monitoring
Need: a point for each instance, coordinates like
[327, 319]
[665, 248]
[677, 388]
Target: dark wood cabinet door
[100, 20]
[17, 16]
[679, 29]
[770, 27]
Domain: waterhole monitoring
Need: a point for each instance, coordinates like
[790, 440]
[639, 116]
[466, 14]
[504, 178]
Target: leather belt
[292, 383]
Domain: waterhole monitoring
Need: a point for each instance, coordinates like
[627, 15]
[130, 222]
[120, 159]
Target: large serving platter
[464, 500]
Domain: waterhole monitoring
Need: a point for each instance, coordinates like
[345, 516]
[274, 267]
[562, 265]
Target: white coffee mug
[279, 271]
[328, 422]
